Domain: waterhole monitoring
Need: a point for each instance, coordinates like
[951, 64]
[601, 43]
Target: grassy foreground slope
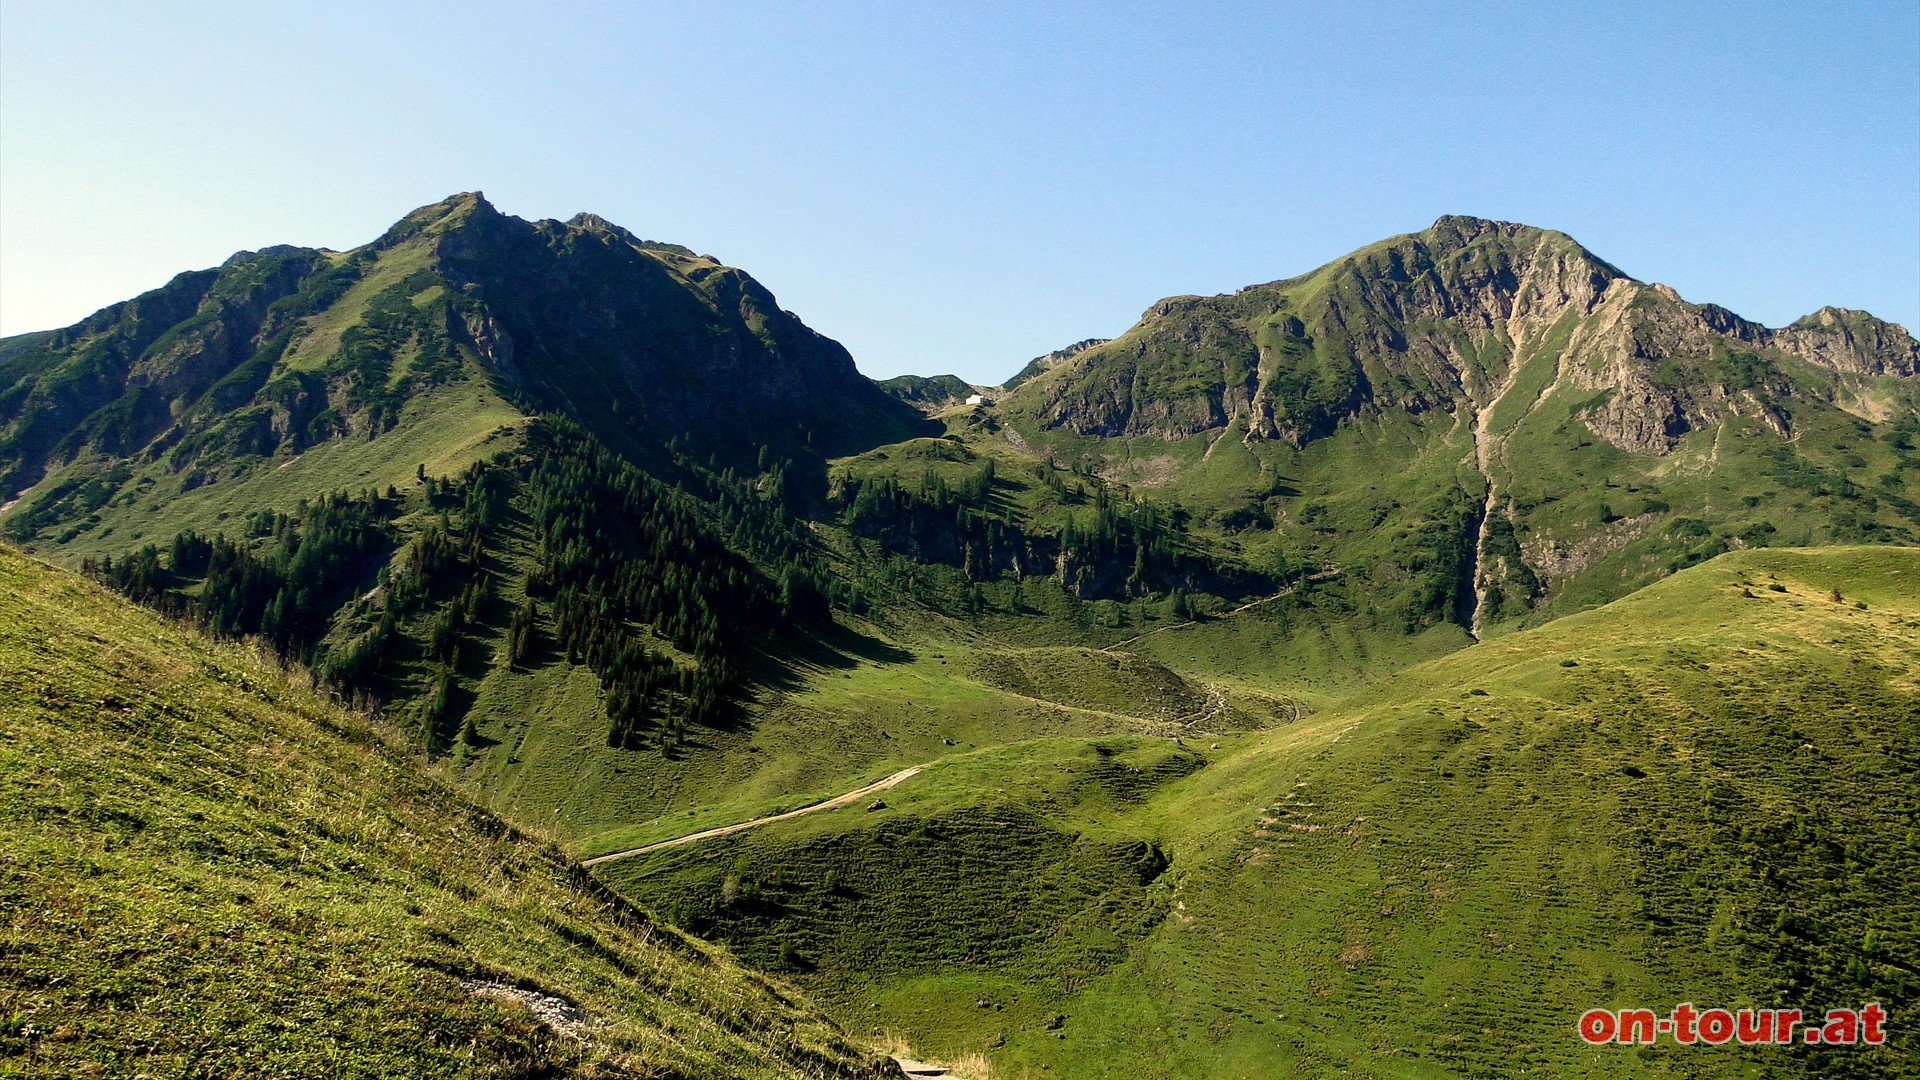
[204, 871]
[1706, 792]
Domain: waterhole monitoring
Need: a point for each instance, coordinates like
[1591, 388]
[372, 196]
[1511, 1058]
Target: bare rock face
[1675, 367]
[1850, 341]
[492, 343]
[1442, 320]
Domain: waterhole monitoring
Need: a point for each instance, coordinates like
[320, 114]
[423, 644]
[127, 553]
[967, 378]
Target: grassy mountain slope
[641, 554]
[1704, 791]
[206, 871]
[413, 350]
[424, 375]
[839, 727]
[1041, 364]
[1529, 429]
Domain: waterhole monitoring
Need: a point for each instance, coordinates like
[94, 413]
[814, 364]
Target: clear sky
[962, 187]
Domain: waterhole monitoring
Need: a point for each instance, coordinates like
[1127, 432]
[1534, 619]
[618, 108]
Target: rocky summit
[1448, 319]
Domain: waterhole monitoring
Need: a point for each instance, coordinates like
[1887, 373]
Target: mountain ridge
[1294, 353]
[1462, 341]
[580, 316]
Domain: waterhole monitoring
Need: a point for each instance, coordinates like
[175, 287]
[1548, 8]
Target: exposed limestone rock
[1553, 559]
[1850, 341]
[1438, 320]
[492, 342]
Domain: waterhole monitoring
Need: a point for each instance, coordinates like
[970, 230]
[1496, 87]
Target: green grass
[319, 339]
[445, 430]
[1086, 887]
[1433, 881]
[1700, 792]
[832, 726]
[206, 871]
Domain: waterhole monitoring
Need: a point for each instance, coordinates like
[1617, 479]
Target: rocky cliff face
[1849, 341]
[120, 378]
[1444, 319]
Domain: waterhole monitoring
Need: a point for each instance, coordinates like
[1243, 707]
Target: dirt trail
[924, 1068]
[725, 830]
[1216, 704]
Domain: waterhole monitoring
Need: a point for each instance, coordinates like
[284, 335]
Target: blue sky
[959, 188]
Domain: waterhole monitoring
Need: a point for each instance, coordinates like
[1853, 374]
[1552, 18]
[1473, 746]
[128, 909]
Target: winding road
[724, 830]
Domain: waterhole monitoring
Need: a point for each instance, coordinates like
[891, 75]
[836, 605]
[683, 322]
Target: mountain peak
[1470, 227]
[1453, 232]
[587, 221]
[1435, 321]
[464, 202]
[455, 207]
[286, 349]
[435, 219]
